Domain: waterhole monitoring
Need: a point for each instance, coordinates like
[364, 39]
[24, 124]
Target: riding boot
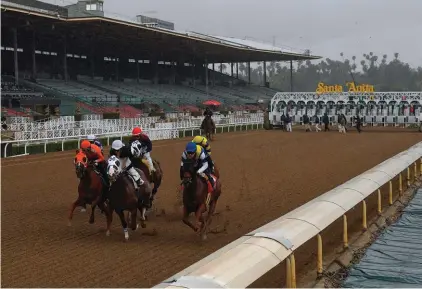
[140, 182]
[210, 183]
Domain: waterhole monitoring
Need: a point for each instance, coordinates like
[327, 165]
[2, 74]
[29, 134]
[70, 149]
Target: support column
[156, 75]
[213, 74]
[117, 68]
[231, 67]
[193, 73]
[249, 72]
[173, 72]
[92, 62]
[265, 73]
[34, 63]
[291, 75]
[65, 75]
[221, 68]
[15, 54]
[137, 70]
[237, 70]
[206, 76]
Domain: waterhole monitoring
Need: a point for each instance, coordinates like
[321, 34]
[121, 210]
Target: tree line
[384, 73]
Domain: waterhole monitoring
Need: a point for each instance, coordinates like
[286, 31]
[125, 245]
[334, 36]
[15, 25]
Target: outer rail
[243, 261]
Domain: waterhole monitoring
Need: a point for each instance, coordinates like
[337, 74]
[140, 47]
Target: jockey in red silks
[94, 154]
[138, 135]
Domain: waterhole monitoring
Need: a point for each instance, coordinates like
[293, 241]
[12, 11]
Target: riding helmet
[191, 147]
[117, 144]
[136, 131]
[85, 144]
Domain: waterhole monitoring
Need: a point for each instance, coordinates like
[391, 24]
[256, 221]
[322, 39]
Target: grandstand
[72, 60]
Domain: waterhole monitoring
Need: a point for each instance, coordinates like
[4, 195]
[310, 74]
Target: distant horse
[123, 196]
[208, 126]
[156, 176]
[90, 188]
[195, 195]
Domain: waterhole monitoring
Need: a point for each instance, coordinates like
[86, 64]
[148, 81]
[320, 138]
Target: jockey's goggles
[190, 153]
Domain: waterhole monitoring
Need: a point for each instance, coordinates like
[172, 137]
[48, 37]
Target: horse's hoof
[108, 233]
[91, 221]
[83, 210]
[143, 225]
[204, 237]
[69, 223]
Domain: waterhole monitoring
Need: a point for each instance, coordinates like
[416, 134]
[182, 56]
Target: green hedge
[73, 144]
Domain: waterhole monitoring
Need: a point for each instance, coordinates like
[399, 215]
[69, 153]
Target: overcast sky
[326, 27]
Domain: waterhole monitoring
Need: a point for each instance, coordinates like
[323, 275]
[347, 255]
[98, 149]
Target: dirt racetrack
[265, 174]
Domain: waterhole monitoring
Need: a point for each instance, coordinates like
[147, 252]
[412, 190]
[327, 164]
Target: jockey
[93, 140]
[197, 153]
[203, 142]
[94, 154]
[138, 135]
[121, 151]
[208, 112]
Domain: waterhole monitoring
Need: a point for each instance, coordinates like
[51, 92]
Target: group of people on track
[139, 147]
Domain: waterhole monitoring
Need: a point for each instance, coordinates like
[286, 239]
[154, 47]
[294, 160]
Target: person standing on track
[326, 121]
[358, 122]
[316, 120]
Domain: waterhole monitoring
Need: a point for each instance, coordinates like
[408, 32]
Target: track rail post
[319, 256]
[345, 234]
[379, 202]
[364, 222]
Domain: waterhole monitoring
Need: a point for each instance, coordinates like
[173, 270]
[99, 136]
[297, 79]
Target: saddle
[103, 179]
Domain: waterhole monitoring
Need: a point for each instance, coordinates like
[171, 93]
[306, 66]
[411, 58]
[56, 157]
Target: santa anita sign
[322, 88]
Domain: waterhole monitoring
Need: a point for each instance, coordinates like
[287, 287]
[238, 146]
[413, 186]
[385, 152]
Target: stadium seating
[80, 90]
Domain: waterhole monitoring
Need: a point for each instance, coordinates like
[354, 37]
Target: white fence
[153, 133]
[243, 261]
[67, 127]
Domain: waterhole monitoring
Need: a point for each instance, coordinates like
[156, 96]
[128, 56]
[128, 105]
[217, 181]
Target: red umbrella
[212, 102]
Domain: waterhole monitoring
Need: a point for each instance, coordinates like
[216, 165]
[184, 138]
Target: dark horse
[90, 188]
[156, 176]
[208, 126]
[195, 195]
[123, 196]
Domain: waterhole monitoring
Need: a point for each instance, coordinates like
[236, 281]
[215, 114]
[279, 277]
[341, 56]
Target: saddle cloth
[214, 179]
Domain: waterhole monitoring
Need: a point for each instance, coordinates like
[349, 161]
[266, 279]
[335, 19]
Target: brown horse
[123, 196]
[154, 178]
[208, 126]
[90, 188]
[195, 195]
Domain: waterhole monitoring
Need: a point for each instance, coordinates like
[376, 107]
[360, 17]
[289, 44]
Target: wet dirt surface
[264, 175]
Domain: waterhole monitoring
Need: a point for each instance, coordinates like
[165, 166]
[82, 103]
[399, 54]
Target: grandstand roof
[139, 40]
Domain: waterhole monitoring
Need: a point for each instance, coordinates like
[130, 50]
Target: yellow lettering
[320, 88]
[351, 86]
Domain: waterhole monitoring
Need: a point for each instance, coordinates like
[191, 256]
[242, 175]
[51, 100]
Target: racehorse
[155, 178]
[90, 188]
[195, 193]
[123, 196]
[208, 126]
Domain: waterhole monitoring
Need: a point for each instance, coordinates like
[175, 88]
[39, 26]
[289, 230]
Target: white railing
[153, 133]
[60, 128]
[243, 261]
